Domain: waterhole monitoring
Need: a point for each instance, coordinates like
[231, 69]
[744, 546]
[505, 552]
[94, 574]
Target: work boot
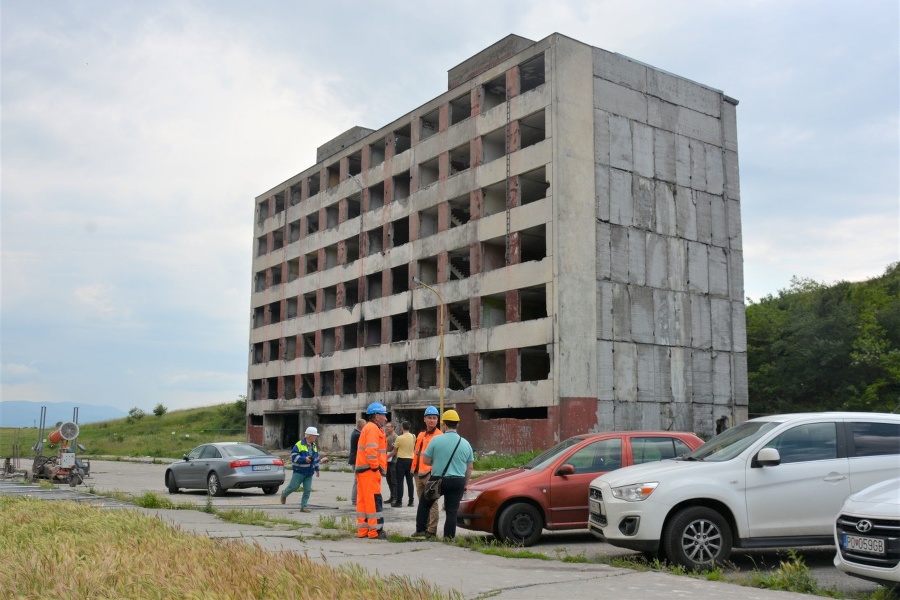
[419, 535]
[396, 504]
[410, 503]
[381, 535]
[389, 501]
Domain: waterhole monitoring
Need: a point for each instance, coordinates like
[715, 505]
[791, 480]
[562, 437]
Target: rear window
[651, 449]
[875, 439]
[243, 450]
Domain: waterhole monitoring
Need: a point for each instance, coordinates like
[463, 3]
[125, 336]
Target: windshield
[540, 461]
[731, 442]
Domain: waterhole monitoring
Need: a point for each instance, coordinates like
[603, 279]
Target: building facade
[573, 217]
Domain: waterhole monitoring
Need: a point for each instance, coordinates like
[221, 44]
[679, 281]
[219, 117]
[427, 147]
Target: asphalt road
[331, 498]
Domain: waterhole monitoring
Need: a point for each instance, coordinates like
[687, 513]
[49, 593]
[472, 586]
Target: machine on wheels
[65, 466]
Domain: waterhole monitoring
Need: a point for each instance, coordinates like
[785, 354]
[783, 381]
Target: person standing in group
[451, 458]
[305, 463]
[351, 460]
[371, 465]
[390, 436]
[420, 469]
[404, 446]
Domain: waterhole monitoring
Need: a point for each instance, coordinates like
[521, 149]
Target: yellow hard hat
[450, 415]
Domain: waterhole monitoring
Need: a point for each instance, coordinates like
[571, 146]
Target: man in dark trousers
[354, 444]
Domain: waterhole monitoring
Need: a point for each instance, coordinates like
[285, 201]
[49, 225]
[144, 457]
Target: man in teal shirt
[451, 458]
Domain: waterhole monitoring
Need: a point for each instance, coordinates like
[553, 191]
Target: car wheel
[270, 490]
[697, 538]
[214, 486]
[170, 482]
[520, 524]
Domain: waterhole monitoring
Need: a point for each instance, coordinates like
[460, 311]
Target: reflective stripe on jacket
[422, 440]
[298, 458]
[372, 451]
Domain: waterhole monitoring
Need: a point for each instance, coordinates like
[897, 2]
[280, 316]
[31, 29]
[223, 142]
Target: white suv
[769, 482]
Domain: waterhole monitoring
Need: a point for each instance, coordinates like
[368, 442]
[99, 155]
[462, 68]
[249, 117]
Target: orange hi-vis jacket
[422, 440]
[371, 464]
[371, 453]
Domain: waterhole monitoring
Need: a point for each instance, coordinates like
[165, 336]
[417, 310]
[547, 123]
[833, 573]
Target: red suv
[551, 491]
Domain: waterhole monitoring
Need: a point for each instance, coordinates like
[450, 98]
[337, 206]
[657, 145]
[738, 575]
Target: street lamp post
[418, 281]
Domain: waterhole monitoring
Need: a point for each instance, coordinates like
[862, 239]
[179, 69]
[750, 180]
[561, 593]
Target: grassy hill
[169, 435]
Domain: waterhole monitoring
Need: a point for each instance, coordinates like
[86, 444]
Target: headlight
[635, 492]
[470, 495]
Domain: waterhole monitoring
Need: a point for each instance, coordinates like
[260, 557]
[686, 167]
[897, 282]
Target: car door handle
[835, 477]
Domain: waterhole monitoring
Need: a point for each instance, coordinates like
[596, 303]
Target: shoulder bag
[432, 489]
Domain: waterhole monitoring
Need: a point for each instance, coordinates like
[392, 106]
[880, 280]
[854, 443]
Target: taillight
[239, 463]
[278, 462]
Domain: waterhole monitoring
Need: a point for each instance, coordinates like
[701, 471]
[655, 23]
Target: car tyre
[520, 524]
[170, 482]
[214, 486]
[697, 538]
[269, 490]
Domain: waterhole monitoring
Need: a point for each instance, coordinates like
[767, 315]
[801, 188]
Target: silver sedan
[222, 466]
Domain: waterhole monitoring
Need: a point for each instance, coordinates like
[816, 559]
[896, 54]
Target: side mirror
[566, 469]
[184, 457]
[768, 457]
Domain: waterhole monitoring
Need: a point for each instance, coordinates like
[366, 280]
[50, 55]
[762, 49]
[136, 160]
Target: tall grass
[69, 550]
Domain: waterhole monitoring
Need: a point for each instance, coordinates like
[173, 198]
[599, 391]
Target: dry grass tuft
[64, 549]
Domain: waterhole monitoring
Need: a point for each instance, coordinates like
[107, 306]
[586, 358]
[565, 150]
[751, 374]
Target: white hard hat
[311, 431]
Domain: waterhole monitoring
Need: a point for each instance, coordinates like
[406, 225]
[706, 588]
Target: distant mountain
[28, 414]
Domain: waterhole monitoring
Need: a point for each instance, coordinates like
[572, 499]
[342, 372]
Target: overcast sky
[136, 135]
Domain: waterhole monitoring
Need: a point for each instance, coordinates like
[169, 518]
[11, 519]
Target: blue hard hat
[376, 408]
[431, 411]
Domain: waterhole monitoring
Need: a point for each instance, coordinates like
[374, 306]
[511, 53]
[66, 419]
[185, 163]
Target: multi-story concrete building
[575, 211]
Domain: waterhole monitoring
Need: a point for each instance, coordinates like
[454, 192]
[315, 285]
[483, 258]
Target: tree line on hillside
[814, 347]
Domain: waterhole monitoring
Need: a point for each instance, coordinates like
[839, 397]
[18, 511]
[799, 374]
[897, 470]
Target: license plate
[863, 544]
[262, 467]
[596, 507]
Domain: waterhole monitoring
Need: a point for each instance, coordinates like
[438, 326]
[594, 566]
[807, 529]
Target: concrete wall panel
[698, 165]
[621, 204]
[618, 247]
[729, 126]
[625, 369]
[601, 137]
[704, 217]
[628, 416]
[620, 100]
[685, 213]
[738, 326]
[701, 329]
[719, 221]
[677, 90]
[718, 272]
[602, 191]
[605, 317]
[664, 155]
[736, 275]
[701, 376]
[698, 267]
[720, 313]
[678, 265]
[665, 220]
[739, 368]
[604, 251]
[644, 204]
[620, 146]
[606, 371]
[642, 149]
[637, 257]
[732, 179]
[722, 392]
[621, 312]
[682, 161]
[620, 69]
[664, 317]
[715, 172]
[606, 415]
[733, 218]
[683, 324]
[680, 375]
[642, 314]
[657, 265]
[653, 371]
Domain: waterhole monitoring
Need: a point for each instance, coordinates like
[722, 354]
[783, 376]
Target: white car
[867, 534]
[774, 481]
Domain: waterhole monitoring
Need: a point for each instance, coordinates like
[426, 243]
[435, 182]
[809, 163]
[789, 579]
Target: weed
[496, 548]
[792, 575]
[340, 499]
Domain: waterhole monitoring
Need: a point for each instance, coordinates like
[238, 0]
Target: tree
[135, 414]
[159, 410]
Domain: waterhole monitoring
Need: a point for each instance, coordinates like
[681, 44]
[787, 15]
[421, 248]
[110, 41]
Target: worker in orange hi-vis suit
[371, 465]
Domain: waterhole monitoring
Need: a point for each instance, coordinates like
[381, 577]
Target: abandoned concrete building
[574, 216]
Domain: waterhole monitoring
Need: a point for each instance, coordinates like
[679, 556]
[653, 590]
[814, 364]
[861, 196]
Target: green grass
[493, 462]
[167, 436]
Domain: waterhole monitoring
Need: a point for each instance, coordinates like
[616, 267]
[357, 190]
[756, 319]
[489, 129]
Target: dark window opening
[399, 328]
[294, 232]
[428, 270]
[402, 139]
[428, 222]
[373, 332]
[373, 379]
[354, 205]
[533, 243]
[331, 257]
[398, 377]
[401, 186]
[257, 353]
[350, 336]
[289, 387]
[351, 293]
[338, 419]
[533, 302]
[532, 130]
[306, 387]
[427, 321]
[290, 348]
[259, 281]
[493, 367]
[494, 93]
[427, 373]
[277, 239]
[535, 412]
[328, 341]
[257, 389]
[459, 375]
[275, 312]
[533, 186]
[399, 232]
[274, 349]
[329, 297]
[259, 316]
[295, 194]
[376, 196]
[494, 145]
[279, 203]
[373, 286]
[460, 158]
[460, 108]
[314, 185]
[493, 254]
[400, 279]
[262, 212]
[348, 381]
[376, 153]
[458, 316]
[272, 385]
[428, 173]
[355, 163]
[531, 74]
[429, 125]
[493, 310]
[309, 303]
[276, 275]
[351, 247]
[333, 175]
[460, 211]
[493, 199]
[312, 223]
[459, 264]
[327, 379]
[332, 214]
[293, 269]
[262, 245]
[256, 420]
[535, 363]
[309, 344]
[312, 263]
[375, 241]
[292, 308]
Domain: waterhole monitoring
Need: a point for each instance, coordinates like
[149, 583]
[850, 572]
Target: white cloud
[17, 371]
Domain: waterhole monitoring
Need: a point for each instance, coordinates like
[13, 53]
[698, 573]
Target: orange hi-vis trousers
[369, 507]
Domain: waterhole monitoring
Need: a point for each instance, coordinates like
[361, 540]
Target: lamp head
[416, 280]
